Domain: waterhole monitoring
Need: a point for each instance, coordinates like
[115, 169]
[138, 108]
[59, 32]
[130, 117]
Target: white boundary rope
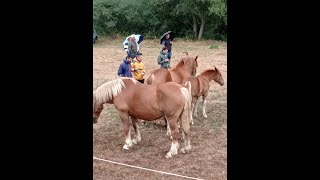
[146, 169]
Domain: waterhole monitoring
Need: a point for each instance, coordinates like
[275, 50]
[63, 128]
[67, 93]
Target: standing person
[133, 46]
[126, 47]
[138, 68]
[163, 60]
[125, 67]
[168, 44]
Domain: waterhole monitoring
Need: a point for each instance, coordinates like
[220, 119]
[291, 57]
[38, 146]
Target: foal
[200, 87]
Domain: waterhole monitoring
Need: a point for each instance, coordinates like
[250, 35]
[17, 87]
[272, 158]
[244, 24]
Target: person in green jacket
[133, 46]
[163, 58]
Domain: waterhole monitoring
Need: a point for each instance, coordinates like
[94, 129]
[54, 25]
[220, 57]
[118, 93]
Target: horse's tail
[188, 84]
[187, 118]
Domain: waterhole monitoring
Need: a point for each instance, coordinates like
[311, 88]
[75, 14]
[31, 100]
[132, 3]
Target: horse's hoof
[187, 148]
[168, 155]
[183, 151]
[126, 147]
[135, 141]
[205, 116]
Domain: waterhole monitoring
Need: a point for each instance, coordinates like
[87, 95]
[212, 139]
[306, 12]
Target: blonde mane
[109, 90]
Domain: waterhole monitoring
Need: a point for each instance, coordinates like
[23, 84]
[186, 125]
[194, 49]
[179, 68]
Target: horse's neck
[208, 76]
[179, 69]
[178, 76]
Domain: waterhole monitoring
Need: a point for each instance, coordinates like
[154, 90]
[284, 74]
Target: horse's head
[97, 108]
[105, 94]
[218, 77]
[192, 64]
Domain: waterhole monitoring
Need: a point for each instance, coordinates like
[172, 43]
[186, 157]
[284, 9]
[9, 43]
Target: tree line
[191, 19]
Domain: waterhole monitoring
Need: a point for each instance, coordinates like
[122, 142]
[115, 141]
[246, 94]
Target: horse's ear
[196, 61]
[216, 69]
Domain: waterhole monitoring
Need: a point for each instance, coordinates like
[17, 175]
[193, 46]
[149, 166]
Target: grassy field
[208, 156]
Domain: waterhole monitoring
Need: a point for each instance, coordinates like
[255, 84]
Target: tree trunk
[203, 20]
[195, 26]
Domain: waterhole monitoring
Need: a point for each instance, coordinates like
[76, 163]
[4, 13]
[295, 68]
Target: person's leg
[169, 54]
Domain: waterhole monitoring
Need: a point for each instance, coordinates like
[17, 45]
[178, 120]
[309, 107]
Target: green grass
[213, 46]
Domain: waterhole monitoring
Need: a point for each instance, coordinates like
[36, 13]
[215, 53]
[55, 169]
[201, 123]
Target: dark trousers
[169, 54]
[142, 81]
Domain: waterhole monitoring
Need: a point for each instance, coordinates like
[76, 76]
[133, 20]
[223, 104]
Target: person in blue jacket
[125, 67]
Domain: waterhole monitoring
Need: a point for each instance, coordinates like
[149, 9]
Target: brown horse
[200, 87]
[185, 68]
[147, 102]
[180, 73]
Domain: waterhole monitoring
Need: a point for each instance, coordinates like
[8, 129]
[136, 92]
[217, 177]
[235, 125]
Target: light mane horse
[147, 102]
[200, 87]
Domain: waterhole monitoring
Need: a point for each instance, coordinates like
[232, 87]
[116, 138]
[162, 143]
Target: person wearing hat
[168, 44]
[163, 60]
[138, 70]
[133, 46]
[125, 67]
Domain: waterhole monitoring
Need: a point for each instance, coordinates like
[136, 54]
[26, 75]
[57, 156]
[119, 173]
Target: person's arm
[120, 71]
[160, 60]
[163, 43]
[143, 70]
[130, 47]
[133, 69]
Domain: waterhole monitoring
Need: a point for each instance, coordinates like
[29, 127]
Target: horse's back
[159, 76]
[170, 94]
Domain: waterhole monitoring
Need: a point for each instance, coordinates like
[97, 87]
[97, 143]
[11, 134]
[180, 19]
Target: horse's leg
[204, 106]
[168, 128]
[185, 130]
[125, 120]
[137, 137]
[193, 111]
[179, 126]
[196, 103]
[172, 121]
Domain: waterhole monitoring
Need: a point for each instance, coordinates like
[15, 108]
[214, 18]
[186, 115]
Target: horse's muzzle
[94, 120]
